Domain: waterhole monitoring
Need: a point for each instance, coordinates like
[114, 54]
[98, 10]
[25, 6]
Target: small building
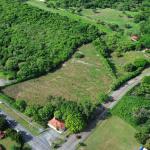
[134, 38]
[57, 125]
[2, 134]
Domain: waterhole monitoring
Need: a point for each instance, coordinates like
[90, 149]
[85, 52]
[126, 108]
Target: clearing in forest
[78, 79]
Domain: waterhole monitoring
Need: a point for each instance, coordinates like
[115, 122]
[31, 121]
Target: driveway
[72, 141]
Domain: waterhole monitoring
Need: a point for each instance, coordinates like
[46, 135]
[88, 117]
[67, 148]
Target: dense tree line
[34, 42]
[120, 4]
[75, 114]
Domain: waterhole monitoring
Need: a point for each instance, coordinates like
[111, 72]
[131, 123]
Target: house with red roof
[57, 125]
[134, 38]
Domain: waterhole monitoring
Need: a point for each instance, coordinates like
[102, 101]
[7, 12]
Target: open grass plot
[109, 15]
[77, 79]
[128, 57]
[8, 143]
[112, 134]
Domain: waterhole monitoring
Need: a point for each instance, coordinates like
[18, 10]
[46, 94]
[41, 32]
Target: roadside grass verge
[113, 133]
[78, 79]
[19, 120]
[25, 121]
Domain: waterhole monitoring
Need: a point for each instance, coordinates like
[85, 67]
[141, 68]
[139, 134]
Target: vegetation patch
[78, 79]
[135, 109]
[27, 55]
[112, 133]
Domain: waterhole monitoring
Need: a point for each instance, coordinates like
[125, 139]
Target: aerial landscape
[75, 75]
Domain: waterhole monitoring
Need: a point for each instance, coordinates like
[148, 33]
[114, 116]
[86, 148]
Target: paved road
[37, 143]
[72, 141]
[41, 142]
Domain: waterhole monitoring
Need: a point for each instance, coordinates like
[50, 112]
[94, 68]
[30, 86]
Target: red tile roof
[60, 125]
[134, 37]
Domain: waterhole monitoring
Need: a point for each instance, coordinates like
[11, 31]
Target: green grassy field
[8, 143]
[128, 57]
[112, 134]
[77, 79]
[109, 15]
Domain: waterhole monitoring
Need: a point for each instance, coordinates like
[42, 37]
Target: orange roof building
[134, 38]
[57, 125]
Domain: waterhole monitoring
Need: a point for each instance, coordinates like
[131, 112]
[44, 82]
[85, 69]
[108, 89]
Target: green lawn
[128, 57]
[7, 143]
[112, 16]
[112, 134]
[77, 79]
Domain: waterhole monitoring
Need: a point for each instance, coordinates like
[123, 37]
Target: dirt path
[72, 141]
[4, 82]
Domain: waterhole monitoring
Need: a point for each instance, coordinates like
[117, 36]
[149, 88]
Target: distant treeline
[120, 4]
[33, 41]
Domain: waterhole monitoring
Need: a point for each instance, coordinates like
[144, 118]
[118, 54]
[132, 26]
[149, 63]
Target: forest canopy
[34, 42]
[120, 4]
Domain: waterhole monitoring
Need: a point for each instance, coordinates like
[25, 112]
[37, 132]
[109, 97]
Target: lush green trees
[3, 123]
[120, 4]
[75, 122]
[20, 105]
[130, 67]
[34, 41]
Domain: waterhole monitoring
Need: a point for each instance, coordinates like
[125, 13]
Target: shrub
[103, 97]
[147, 145]
[141, 63]
[146, 80]
[130, 67]
[75, 122]
[20, 105]
[3, 123]
[79, 55]
[58, 114]
[128, 26]
[141, 137]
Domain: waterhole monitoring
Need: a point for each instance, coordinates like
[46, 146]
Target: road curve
[72, 141]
